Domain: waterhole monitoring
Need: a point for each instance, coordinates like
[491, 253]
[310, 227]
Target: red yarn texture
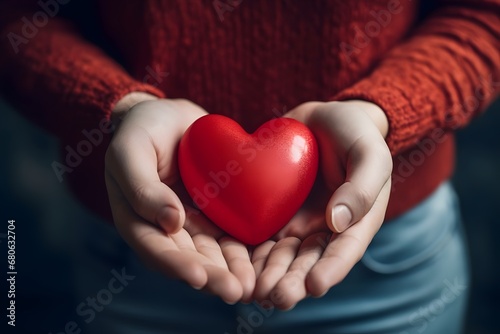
[253, 58]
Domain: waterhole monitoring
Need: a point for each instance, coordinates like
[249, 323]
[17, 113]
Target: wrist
[127, 102]
[375, 112]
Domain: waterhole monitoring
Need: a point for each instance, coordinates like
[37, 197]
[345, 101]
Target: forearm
[60, 80]
[446, 73]
[70, 87]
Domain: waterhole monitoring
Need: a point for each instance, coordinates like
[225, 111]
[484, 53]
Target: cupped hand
[146, 199]
[346, 207]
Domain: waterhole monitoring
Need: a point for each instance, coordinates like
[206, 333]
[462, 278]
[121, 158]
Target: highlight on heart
[222, 178]
[250, 185]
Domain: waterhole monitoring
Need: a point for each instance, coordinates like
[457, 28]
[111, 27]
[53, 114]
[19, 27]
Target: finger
[369, 167]
[281, 256]
[183, 240]
[197, 223]
[303, 111]
[223, 283]
[160, 251]
[260, 255]
[292, 287]
[297, 228]
[206, 251]
[238, 260]
[347, 248]
[174, 255]
[220, 280]
[208, 246]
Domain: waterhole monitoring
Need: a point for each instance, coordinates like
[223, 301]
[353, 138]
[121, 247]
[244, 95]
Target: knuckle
[364, 199]
[139, 196]
[357, 250]
[183, 102]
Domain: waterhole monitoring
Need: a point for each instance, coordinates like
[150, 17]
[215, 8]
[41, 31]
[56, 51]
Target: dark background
[49, 220]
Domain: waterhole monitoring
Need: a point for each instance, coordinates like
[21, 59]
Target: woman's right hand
[168, 235]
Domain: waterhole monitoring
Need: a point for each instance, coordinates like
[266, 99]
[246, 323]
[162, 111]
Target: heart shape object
[250, 185]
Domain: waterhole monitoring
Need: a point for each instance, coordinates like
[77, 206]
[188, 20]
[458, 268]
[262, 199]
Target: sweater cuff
[116, 93]
[403, 120]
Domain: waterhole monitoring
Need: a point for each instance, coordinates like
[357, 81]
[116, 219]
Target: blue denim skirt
[414, 278]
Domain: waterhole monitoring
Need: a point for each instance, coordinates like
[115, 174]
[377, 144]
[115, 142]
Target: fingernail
[341, 218]
[167, 217]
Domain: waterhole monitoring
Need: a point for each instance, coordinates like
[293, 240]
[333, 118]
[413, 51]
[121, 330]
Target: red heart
[250, 185]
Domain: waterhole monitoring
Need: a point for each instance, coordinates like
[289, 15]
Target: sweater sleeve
[446, 72]
[69, 86]
[51, 74]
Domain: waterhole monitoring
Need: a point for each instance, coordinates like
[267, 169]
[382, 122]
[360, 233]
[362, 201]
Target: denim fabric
[413, 278]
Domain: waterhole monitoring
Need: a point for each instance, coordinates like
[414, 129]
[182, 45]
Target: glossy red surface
[250, 185]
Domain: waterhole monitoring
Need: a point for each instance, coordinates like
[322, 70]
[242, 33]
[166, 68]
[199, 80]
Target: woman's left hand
[316, 250]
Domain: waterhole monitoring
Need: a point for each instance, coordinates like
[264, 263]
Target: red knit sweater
[248, 58]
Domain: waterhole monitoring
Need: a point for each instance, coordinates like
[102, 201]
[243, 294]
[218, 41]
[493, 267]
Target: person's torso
[245, 58]
[253, 60]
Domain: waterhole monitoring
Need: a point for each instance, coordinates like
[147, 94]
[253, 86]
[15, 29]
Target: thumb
[132, 169]
[152, 200]
[158, 204]
[368, 170]
[347, 206]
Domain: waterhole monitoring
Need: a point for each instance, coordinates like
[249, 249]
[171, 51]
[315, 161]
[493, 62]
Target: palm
[306, 257]
[310, 218]
[149, 210]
